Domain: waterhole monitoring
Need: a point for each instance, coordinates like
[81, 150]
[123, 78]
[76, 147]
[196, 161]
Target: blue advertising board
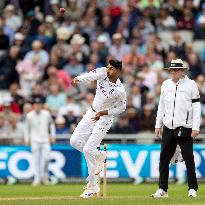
[17, 161]
[129, 161]
[135, 161]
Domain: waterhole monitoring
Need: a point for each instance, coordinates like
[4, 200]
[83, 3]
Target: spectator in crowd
[4, 41]
[71, 104]
[3, 131]
[88, 102]
[37, 93]
[186, 20]
[32, 23]
[19, 40]
[200, 29]
[29, 73]
[61, 77]
[178, 45]
[55, 98]
[200, 81]
[12, 20]
[8, 74]
[165, 20]
[9, 105]
[60, 126]
[148, 116]
[73, 67]
[188, 51]
[122, 126]
[154, 60]
[102, 48]
[7, 31]
[136, 96]
[17, 98]
[70, 118]
[50, 26]
[118, 49]
[41, 36]
[146, 29]
[202, 127]
[195, 65]
[79, 48]
[170, 55]
[62, 35]
[74, 10]
[15, 130]
[94, 61]
[39, 53]
[149, 77]
[7, 109]
[134, 120]
[57, 59]
[107, 25]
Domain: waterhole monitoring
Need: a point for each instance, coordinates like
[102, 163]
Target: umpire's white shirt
[179, 105]
[109, 96]
[39, 126]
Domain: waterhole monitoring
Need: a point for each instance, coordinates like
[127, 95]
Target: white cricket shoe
[45, 181]
[160, 193]
[90, 191]
[192, 193]
[86, 186]
[100, 162]
[36, 183]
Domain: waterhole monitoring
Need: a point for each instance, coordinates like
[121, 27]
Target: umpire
[179, 114]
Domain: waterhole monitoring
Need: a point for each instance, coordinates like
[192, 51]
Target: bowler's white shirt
[109, 96]
[39, 126]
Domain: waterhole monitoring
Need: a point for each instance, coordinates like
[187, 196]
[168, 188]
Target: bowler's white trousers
[41, 156]
[87, 136]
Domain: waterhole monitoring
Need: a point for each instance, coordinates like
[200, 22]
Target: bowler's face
[112, 71]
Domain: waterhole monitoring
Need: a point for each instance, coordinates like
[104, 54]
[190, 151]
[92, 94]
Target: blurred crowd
[41, 50]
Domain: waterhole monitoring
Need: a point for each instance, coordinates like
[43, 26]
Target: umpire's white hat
[177, 64]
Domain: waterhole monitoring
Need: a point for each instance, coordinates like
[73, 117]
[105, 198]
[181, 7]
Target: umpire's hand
[194, 133]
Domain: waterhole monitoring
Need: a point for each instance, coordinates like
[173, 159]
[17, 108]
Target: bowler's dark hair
[116, 64]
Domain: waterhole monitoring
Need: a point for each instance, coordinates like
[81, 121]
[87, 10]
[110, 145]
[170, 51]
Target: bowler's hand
[99, 114]
[158, 132]
[74, 82]
[97, 117]
[194, 133]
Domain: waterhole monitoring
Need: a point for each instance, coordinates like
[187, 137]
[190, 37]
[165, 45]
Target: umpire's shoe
[160, 193]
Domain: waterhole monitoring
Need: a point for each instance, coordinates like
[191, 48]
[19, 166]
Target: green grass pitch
[117, 194]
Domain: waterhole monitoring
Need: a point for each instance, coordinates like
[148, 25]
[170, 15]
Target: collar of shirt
[113, 84]
[181, 80]
[38, 113]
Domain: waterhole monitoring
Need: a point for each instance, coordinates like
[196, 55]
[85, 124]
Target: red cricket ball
[62, 10]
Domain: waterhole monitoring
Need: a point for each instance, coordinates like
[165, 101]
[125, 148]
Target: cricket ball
[62, 10]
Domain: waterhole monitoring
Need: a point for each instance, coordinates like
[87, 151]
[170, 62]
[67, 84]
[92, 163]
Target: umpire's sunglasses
[176, 69]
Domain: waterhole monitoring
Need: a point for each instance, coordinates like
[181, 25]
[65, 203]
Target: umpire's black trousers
[168, 147]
